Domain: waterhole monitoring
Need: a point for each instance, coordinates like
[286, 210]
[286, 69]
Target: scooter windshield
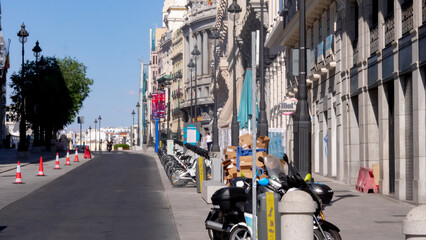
[274, 167]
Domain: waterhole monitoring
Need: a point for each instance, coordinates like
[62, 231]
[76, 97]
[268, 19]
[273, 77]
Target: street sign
[288, 107]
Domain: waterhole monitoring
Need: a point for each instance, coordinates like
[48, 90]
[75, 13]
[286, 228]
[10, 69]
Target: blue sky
[109, 37]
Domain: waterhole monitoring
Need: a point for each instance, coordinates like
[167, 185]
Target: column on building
[205, 53]
[419, 113]
[199, 58]
[187, 57]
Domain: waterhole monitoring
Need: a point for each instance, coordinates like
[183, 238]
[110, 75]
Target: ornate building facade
[366, 78]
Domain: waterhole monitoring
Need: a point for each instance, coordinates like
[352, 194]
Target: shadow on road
[2, 228]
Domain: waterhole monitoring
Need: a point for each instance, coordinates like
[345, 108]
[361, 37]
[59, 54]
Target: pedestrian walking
[209, 141]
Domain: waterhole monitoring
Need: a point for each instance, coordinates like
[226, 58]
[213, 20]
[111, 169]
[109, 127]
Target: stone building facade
[366, 78]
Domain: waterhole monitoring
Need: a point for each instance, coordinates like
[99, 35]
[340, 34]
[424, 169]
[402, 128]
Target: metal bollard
[296, 208]
[414, 225]
[269, 226]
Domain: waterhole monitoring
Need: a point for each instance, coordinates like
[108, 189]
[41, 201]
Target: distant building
[4, 65]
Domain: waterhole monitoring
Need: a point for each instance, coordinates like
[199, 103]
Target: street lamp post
[195, 52]
[36, 50]
[138, 128]
[168, 83]
[144, 138]
[90, 140]
[96, 146]
[191, 65]
[178, 77]
[148, 141]
[22, 34]
[302, 124]
[100, 139]
[262, 124]
[133, 134]
[234, 9]
[215, 147]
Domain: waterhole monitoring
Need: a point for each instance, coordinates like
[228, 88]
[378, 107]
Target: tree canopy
[52, 91]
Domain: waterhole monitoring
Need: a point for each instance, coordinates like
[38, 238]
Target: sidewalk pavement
[29, 169]
[189, 210]
[364, 216]
[9, 158]
[358, 215]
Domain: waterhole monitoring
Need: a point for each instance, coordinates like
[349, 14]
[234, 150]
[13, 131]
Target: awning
[245, 108]
[163, 78]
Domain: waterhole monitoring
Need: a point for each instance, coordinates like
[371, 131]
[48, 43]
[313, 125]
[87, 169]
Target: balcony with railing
[389, 29]
[407, 18]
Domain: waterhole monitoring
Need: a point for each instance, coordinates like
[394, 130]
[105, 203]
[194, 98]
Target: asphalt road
[114, 196]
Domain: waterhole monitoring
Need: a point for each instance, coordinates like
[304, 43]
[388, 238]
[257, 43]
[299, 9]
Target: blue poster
[276, 142]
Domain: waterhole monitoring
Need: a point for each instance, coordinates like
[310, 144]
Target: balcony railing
[374, 39]
[407, 18]
[389, 29]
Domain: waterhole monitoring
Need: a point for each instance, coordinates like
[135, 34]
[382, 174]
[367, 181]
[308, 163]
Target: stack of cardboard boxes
[230, 163]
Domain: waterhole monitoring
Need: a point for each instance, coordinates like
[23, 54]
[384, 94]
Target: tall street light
[133, 135]
[191, 66]
[302, 124]
[36, 50]
[195, 52]
[234, 9]
[100, 139]
[90, 140]
[144, 138]
[215, 147]
[262, 124]
[96, 146]
[178, 77]
[138, 106]
[168, 83]
[148, 141]
[22, 34]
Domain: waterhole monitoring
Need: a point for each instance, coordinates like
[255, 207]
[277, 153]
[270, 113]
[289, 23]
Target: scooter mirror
[264, 182]
[285, 157]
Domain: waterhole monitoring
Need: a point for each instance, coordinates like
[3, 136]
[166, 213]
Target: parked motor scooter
[232, 207]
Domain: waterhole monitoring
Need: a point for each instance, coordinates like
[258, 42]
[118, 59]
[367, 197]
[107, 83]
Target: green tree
[78, 84]
[52, 93]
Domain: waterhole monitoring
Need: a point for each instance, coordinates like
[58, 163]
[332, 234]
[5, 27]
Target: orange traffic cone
[68, 158]
[76, 156]
[18, 179]
[57, 162]
[40, 168]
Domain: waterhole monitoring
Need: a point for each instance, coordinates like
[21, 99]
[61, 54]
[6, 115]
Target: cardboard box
[245, 141]
[246, 162]
[262, 142]
[231, 152]
[226, 163]
[232, 172]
